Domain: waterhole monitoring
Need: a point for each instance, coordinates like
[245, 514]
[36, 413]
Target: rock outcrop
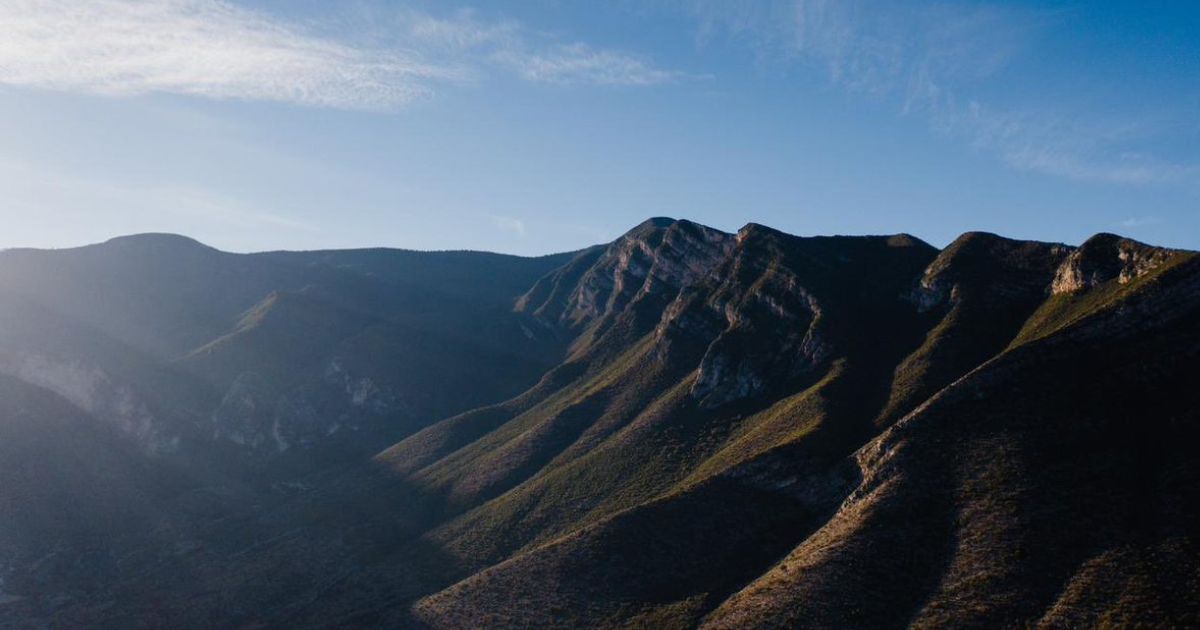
[1106, 257]
[657, 258]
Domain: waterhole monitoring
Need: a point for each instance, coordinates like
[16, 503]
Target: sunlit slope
[734, 428]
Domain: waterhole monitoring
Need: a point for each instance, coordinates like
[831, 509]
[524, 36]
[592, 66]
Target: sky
[538, 126]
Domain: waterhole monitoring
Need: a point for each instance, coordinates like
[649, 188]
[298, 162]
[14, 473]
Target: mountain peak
[661, 222]
[976, 237]
[659, 256]
[751, 229]
[1106, 257]
[991, 265]
[1104, 239]
[904, 239]
[157, 240]
[986, 245]
[653, 225]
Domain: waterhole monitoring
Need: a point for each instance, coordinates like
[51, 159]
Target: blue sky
[539, 126]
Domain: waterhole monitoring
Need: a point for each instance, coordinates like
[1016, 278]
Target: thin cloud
[200, 48]
[508, 224]
[929, 59]
[218, 50]
[1119, 169]
[532, 56]
[580, 63]
[1137, 222]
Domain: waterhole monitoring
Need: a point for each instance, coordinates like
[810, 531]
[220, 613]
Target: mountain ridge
[684, 427]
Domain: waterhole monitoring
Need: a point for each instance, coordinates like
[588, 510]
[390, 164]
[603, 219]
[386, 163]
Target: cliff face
[652, 262]
[1107, 257]
[781, 309]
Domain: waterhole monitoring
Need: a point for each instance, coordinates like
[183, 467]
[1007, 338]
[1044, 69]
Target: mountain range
[682, 428]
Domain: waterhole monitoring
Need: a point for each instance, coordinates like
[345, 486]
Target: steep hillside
[696, 392]
[298, 369]
[193, 414]
[982, 288]
[154, 406]
[746, 424]
[75, 497]
[1009, 499]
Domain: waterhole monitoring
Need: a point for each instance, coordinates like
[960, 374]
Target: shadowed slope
[271, 351]
[75, 497]
[1003, 494]
[982, 288]
[761, 430]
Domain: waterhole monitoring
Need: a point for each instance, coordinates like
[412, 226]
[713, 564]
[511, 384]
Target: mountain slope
[1012, 493]
[682, 428]
[181, 409]
[646, 507]
[75, 497]
[240, 341]
[648, 419]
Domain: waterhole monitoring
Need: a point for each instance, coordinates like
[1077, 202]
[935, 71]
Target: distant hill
[682, 428]
[270, 350]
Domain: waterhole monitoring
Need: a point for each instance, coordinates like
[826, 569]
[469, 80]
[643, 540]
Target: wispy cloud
[217, 49]
[933, 60]
[580, 63]
[1137, 222]
[1083, 147]
[201, 48]
[533, 56]
[508, 224]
